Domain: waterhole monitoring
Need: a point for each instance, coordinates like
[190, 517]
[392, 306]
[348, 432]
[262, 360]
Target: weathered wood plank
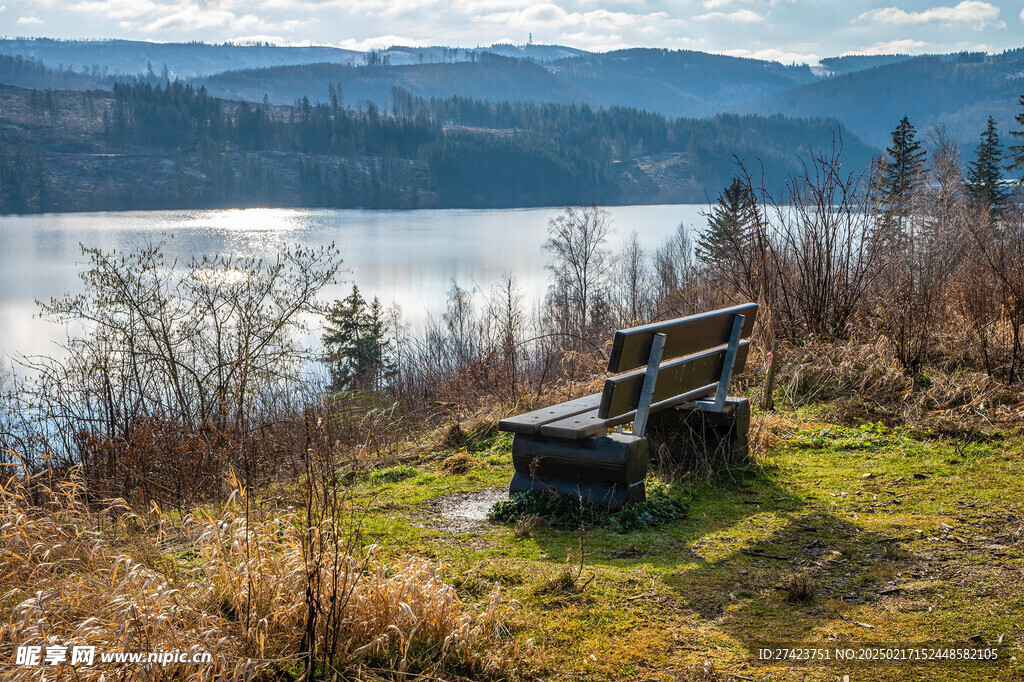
[589, 425]
[685, 335]
[531, 422]
[615, 458]
[622, 393]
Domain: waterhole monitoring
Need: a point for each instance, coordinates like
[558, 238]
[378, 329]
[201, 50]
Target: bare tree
[506, 325]
[633, 280]
[821, 256]
[997, 255]
[578, 297]
[676, 275]
[918, 263]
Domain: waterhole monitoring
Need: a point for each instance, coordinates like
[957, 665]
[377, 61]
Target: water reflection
[406, 257]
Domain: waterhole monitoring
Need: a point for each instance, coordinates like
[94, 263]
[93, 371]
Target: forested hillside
[183, 60]
[677, 83]
[955, 94]
[867, 94]
[488, 76]
[165, 145]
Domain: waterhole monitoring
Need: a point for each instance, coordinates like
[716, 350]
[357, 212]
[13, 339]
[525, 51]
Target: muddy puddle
[463, 513]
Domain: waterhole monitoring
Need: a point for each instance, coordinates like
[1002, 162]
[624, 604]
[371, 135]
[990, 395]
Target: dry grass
[767, 430]
[865, 381]
[826, 370]
[460, 463]
[224, 583]
[525, 527]
[799, 587]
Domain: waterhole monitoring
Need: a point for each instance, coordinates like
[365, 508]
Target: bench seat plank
[531, 422]
[622, 393]
[589, 425]
[632, 347]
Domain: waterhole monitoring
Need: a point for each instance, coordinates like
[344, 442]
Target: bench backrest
[692, 359]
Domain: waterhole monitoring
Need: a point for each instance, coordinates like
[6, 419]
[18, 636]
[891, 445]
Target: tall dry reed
[220, 582]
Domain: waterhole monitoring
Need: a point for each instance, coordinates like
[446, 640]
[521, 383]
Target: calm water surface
[404, 257]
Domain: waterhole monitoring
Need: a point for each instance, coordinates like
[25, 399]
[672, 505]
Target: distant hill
[489, 77]
[677, 83]
[867, 94]
[939, 91]
[837, 66]
[32, 73]
[401, 56]
[100, 58]
[169, 145]
[672, 83]
[183, 60]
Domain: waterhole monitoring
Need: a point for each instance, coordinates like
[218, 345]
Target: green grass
[906, 538]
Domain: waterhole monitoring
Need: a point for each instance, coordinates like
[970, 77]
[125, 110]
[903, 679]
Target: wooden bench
[685, 364]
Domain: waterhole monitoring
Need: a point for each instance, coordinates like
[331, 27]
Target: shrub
[573, 512]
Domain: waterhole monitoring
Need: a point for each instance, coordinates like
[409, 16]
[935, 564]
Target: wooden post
[643, 410]
[769, 383]
[728, 363]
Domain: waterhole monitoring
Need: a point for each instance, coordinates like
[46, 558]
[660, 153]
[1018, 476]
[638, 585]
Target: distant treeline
[457, 151]
[28, 72]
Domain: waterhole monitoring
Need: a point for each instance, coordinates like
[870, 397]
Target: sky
[800, 31]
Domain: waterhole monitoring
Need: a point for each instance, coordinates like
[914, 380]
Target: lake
[404, 257]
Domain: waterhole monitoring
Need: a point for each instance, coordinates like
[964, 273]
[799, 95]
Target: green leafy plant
[562, 511]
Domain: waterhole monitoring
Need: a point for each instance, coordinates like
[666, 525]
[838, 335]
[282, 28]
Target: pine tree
[983, 174]
[1017, 150]
[357, 352]
[900, 173]
[728, 224]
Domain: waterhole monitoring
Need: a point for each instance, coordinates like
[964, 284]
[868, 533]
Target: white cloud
[906, 46]
[544, 15]
[772, 54]
[3, 8]
[249, 40]
[743, 16]
[594, 42]
[1022, 15]
[390, 8]
[29, 21]
[980, 14]
[686, 43]
[480, 6]
[716, 4]
[380, 42]
[553, 17]
[193, 17]
[118, 9]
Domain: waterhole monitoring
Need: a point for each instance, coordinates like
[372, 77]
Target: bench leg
[690, 440]
[609, 470]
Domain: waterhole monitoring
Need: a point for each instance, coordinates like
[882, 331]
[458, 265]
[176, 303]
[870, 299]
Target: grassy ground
[903, 538]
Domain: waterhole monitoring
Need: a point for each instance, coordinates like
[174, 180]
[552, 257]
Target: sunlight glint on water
[404, 257]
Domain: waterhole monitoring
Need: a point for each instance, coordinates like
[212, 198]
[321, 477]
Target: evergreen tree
[357, 352]
[900, 173]
[728, 224]
[983, 174]
[1017, 150]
